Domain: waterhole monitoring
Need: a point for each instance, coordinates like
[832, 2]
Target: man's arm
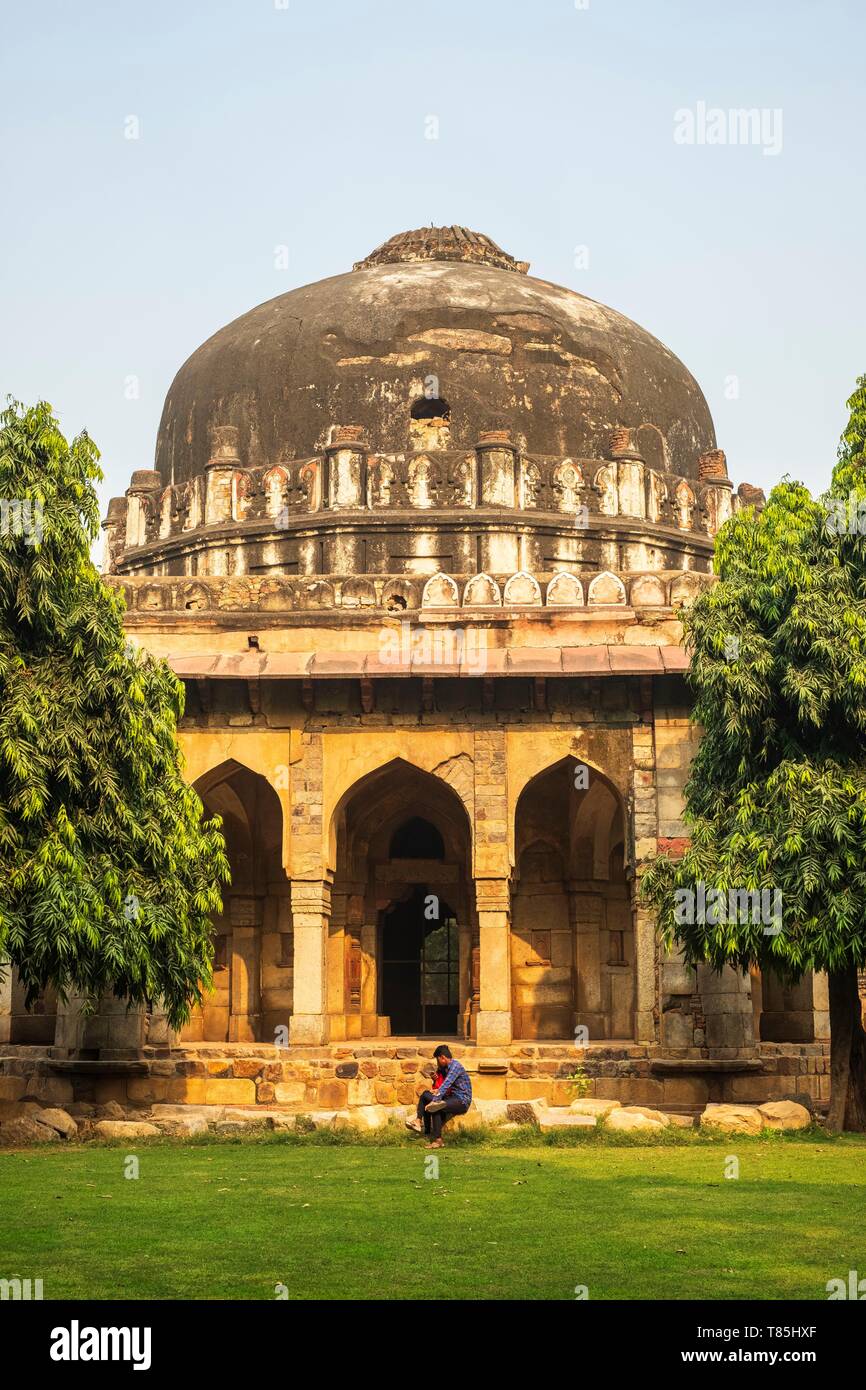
[448, 1079]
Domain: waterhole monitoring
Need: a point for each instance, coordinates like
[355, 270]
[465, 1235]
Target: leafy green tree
[108, 875]
[776, 797]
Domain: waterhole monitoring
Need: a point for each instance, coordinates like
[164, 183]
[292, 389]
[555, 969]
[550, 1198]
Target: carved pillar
[224, 460]
[347, 468]
[311, 911]
[140, 496]
[493, 1024]
[497, 487]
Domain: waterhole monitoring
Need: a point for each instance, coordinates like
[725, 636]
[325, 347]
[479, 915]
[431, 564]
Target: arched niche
[572, 943]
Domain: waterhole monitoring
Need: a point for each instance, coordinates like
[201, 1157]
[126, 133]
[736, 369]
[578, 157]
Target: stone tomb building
[414, 541]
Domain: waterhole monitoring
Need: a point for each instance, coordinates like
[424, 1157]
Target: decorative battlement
[483, 595]
[426, 505]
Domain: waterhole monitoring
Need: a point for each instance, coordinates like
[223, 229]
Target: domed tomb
[436, 409]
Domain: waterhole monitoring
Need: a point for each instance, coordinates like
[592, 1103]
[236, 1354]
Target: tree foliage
[108, 875]
[776, 797]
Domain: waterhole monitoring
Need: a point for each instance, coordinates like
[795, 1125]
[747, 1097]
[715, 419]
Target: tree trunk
[847, 1053]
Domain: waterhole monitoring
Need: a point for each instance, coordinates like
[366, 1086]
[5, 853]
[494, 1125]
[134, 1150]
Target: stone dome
[439, 311]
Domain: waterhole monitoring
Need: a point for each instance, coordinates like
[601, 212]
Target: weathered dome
[442, 312]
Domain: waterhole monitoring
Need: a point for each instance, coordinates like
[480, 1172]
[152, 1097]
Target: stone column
[369, 981]
[643, 836]
[335, 988]
[493, 1024]
[245, 964]
[5, 1002]
[585, 920]
[311, 911]
[69, 1028]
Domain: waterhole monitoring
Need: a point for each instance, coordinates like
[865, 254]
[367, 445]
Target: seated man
[451, 1095]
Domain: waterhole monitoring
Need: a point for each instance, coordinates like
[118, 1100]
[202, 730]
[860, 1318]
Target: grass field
[334, 1219]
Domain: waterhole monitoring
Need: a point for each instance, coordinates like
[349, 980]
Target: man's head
[442, 1055]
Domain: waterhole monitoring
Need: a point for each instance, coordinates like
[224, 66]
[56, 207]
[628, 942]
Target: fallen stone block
[785, 1114]
[565, 1119]
[659, 1116]
[17, 1133]
[593, 1106]
[183, 1126]
[630, 1121]
[363, 1117]
[682, 1121]
[493, 1112]
[59, 1120]
[124, 1129]
[525, 1112]
[733, 1119]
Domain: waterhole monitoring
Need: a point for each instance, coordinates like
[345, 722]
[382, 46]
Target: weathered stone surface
[629, 1121]
[248, 1069]
[590, 1106]
[23, 1131]
[333, 1095]
[492, 1112]
[524, 1112]
[280, 1121]
[561, 1118]
[125, 1129]
[733, 1119]
[290, 1092]
[112, 1110]
[784, 1114]
[658, 1116]
[183, 1126]
[229, 1092]
[364, 1117]
[59, 1120]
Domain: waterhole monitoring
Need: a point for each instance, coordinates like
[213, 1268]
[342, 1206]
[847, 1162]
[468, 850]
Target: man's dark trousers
[433, 1123]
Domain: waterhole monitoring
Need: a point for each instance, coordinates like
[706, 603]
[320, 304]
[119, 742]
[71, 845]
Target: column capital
[311, 895]
[493, 894]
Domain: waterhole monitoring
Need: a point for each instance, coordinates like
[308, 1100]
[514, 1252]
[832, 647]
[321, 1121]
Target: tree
[776, 796]
[108, 875]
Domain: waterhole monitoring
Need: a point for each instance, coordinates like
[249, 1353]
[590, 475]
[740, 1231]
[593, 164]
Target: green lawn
[220, 1219]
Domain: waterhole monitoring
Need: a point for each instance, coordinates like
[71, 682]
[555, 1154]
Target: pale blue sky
[305, 126]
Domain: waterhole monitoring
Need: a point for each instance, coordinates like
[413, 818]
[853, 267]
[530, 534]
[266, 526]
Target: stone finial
[145, 480]
[495, 438]
[224, 446]
[751, 496]
[713, 465]
[442, 244]
[621, 445]
[343, 435]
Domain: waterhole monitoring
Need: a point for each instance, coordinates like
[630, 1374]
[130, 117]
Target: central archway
[420, 964]
[404, 905]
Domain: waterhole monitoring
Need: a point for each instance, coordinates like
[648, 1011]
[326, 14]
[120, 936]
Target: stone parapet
[393, 1073]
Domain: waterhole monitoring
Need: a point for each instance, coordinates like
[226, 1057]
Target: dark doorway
[420, 956]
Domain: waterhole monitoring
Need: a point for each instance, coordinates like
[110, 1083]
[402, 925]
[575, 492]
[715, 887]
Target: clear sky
[304, 124]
